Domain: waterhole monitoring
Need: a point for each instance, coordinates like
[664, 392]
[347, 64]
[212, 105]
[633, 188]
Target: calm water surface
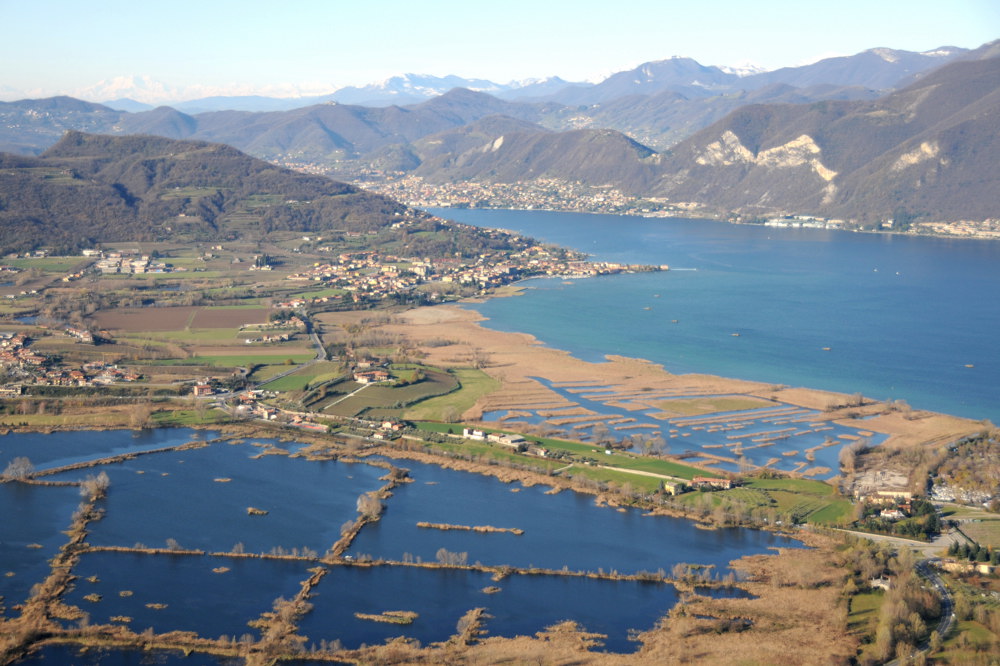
[199, 497]
[565, 529]
[196, 597]
[442, 597]
[47, 451]
[902, 317]
[30, 516]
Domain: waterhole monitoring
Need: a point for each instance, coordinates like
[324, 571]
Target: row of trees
[907, 609]
[974, 552]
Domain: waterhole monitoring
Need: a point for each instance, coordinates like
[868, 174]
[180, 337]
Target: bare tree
[95, 487]
[369, 505]
[140, 416]
[601, 433]
[480, 359]
[19, 468]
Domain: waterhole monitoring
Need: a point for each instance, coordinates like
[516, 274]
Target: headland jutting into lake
[343, 509]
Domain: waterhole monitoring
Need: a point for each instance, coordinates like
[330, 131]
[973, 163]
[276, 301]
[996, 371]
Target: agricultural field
[984, 531]
[308, 377]
[862, 618]
[242, 360]
[802, 500]
[48, 264]
[180, 318]
[473, 384]
[384, 401]
[640, 471]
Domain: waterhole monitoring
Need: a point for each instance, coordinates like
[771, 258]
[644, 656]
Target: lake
[199, 496]
[893, 317]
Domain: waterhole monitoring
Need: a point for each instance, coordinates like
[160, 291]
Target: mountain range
[879, 69]
[826, 139]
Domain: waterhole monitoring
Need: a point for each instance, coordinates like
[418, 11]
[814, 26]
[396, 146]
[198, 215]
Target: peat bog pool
[177, 549]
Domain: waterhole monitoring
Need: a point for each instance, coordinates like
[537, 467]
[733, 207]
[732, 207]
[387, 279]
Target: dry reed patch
[562, 644]
[798, 617]
[926, 429]
[626, 406]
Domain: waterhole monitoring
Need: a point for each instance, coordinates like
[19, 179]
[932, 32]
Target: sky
[185, 49]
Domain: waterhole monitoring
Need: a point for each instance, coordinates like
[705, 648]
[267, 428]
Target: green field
[979, 524]
[805, 501]
[241, 360]
[317, 293]
[312, 375]
[985, 532]
[598, 471]
[188, 417]
[976, 638]
[500, 454]
[473, 385]
[655, 466]
[864, 611]
[181, 275]
[862, 618]
[639, 482]
[384, 400]
[47, 264]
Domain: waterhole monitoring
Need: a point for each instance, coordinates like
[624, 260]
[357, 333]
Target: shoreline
[517, 359]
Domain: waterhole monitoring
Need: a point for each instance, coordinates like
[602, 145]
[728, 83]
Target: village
[371, 274]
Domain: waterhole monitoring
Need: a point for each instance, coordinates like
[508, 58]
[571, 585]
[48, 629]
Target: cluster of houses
[38, 368]
[269, 339]
[363, 273]
[14, 351]
[375, 275]
[92, 374]
[81, 334]
[126, 261]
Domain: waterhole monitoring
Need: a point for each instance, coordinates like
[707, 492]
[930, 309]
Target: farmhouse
[709, 482]
[471, 433]
[511, 441]
[673, 487]
[371, 376]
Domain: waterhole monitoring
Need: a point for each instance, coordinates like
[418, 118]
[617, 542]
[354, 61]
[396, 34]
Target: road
[927, 549]
[926, 571]
[947, 620]
[320, 355]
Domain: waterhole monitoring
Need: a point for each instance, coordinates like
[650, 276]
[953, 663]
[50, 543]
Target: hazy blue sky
[66, 46]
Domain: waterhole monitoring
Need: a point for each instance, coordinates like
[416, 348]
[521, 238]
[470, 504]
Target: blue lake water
[796, 447]
[200, 497]
[47, 451]
[31, 516]
[902, 317]
[442, 597]
[564, 529]
[177, 495]
[195, 597]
